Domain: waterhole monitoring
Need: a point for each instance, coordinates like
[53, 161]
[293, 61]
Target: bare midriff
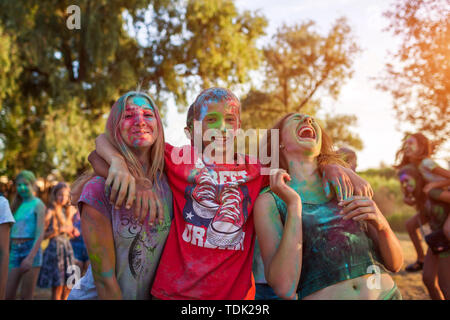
[366, 287]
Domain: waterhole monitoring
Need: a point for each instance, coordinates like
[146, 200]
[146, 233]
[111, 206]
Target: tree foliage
[418, 76]
[57, 84]
[299, 63]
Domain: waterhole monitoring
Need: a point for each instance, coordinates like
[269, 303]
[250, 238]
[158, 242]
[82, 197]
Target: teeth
[302, 130]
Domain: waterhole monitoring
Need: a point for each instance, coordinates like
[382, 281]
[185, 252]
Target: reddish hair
[327, 154]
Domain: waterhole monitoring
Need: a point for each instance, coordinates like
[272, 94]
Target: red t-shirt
[209, 250]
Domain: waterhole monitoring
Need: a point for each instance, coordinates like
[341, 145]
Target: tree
[67, 79]
[299, 65]
[222, 45]
[419, 76]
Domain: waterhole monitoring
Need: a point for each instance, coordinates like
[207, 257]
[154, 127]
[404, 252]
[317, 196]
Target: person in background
[58, 256]
[25, 257]
[78, 246]
[433, 202]
[6, 221]
[349, 156]
[416, 150]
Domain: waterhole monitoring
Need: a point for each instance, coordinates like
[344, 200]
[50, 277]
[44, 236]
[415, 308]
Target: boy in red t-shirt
[209, 250]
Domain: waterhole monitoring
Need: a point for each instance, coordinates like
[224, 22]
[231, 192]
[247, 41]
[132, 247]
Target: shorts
[79, 250]
[19, 251]
[265, 292]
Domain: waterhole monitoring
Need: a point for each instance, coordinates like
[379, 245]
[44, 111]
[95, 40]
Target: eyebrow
[131, 108]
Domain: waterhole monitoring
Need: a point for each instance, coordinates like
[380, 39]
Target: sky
[377, 125]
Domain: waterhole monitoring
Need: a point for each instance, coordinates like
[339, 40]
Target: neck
[27, 198]
[306, 178]
[143, 156]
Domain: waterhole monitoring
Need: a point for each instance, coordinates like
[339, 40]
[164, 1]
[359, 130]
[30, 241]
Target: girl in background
[58, 256]
[25, 258]
[434, 208]
[416, 150]
[78, 246]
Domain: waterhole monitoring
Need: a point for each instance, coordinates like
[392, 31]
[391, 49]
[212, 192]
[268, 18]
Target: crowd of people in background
[41, 243]
[425, 186]
[148, 220]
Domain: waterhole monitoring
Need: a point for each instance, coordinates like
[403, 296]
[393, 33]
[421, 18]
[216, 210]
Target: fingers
[122, 192]
[145, 206]
[337, 189]
[138, 205]
[358, 211]
[355, 201]
[349, 188]
[367, 216]
[152, 208]
[370, 191]
[277, 177]
[114, 190]
[160, 210]
[326, 185]
[131, 193]
[108, 182]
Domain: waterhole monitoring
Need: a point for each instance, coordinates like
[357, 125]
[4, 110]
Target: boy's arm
[122, 182]
[109, 163]
[344, 182]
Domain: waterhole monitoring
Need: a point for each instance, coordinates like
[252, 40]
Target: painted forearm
[285, 267]
[105, 149]
[107, 285]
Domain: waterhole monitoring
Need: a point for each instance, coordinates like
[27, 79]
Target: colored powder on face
[141, 102]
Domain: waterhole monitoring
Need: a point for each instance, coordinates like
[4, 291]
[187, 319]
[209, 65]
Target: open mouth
[306, 132]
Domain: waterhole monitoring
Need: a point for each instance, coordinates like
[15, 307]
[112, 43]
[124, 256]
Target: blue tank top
[26, 219]
[334, 249]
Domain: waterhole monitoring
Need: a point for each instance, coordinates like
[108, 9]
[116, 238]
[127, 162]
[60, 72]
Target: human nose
[308, 120]
[223, 126]
[139, 120]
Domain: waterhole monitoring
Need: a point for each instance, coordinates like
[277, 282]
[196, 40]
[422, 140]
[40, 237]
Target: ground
[410, 284]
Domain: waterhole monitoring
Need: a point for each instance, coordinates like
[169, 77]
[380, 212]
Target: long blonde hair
[112, 131]
[157, 149]
[60, 214]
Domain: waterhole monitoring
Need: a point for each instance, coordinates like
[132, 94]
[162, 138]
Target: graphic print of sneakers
[226, 227]
[204, 196]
